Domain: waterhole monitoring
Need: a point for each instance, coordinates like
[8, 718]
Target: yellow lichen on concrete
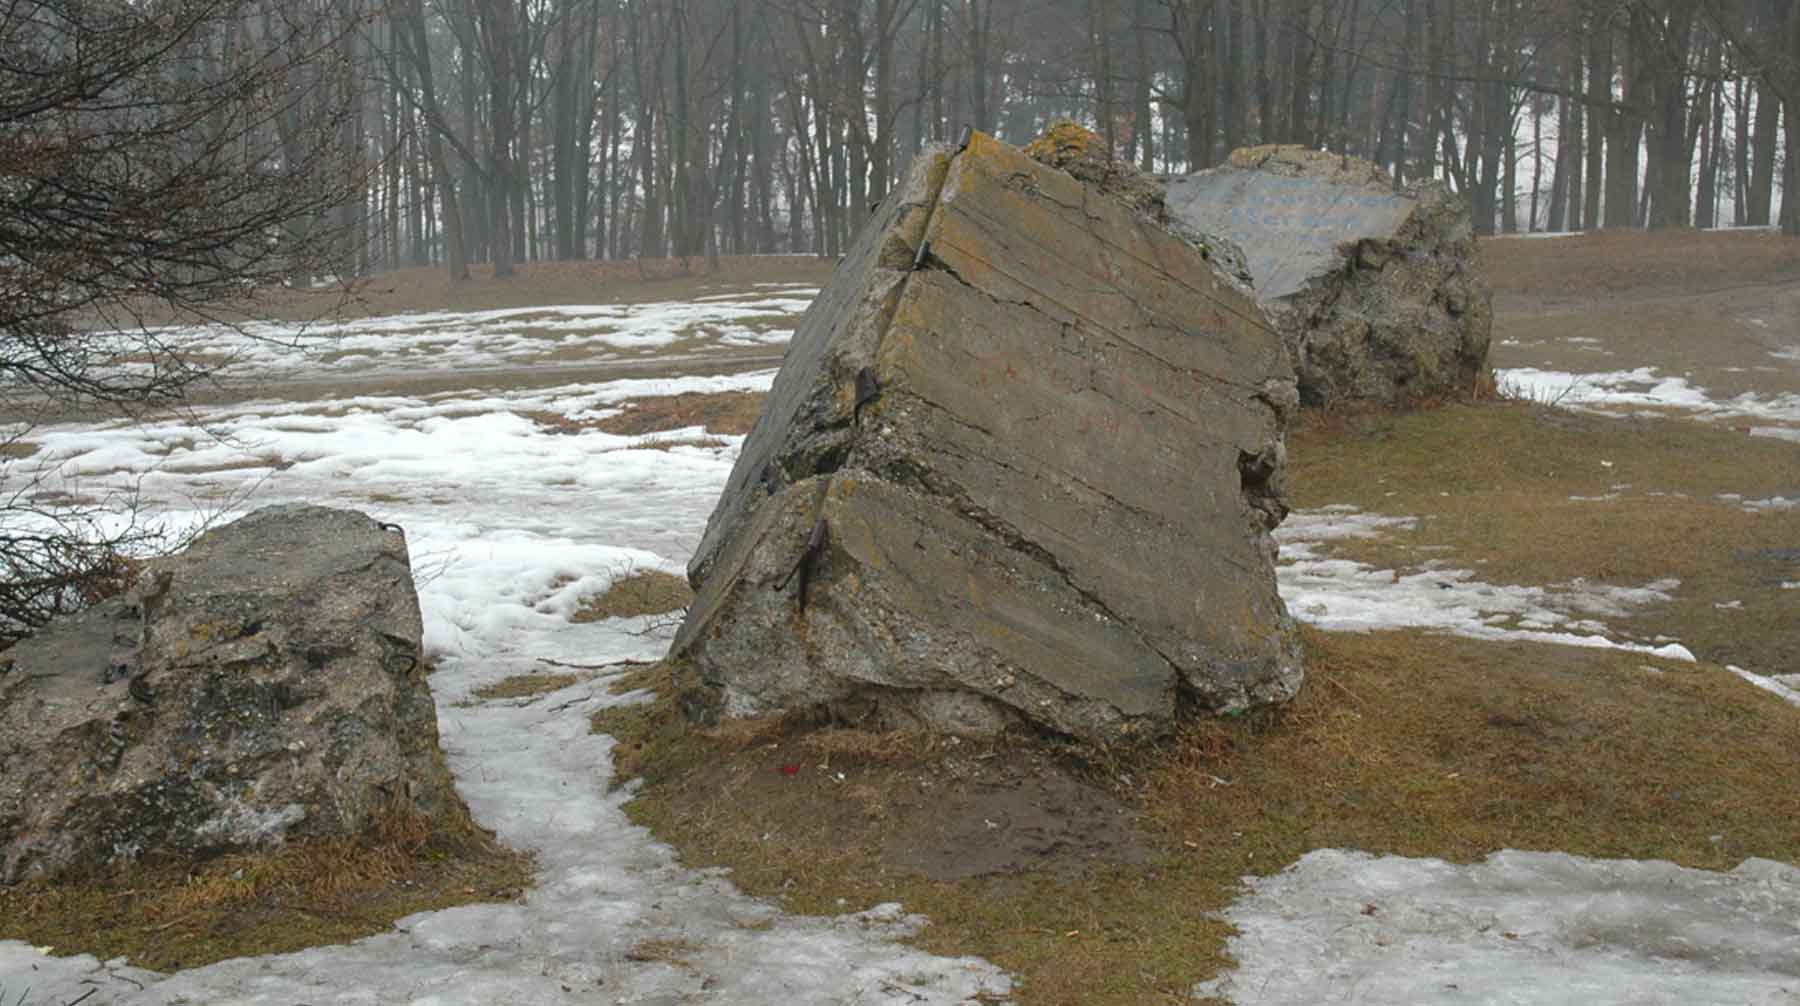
[1063, 141]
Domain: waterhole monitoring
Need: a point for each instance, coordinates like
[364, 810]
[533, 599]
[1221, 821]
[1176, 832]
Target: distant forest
[502, 131]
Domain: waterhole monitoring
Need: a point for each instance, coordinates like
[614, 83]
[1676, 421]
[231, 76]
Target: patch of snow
[1777, 432]
[1642, 386]
[1348, 596]
[468, 340]
[1768, 505]
[1547, 929]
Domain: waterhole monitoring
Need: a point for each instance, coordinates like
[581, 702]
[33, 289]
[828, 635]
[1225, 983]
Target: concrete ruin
[1376, 291]
[1020, 466]
[264, 684]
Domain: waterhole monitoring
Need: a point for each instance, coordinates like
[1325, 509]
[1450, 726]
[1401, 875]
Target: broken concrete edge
[812, 468]
[1075, 150]
[906, 213]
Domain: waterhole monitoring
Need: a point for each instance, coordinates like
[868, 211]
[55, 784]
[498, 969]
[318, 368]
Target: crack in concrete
[1015, 539]
[937, 264]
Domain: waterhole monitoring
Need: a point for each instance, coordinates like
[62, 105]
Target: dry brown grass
[170, 915]
[641, 592]
[675, 952]
[1401, 743]
[671, 443]
[524, 686]
[1653, 261]
[1492, 486]
[727, 413]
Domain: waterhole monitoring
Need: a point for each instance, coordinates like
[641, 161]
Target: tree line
[508, 130]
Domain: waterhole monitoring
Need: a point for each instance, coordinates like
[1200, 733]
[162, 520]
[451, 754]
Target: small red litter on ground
[789, 769]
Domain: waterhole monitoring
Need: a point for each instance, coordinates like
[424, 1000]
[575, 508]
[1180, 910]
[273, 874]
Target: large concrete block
[1021, 464]
[262, 685]
[1376, 290]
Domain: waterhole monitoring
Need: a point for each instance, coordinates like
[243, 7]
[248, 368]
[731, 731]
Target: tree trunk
[979, 29]
[562, 143]
[415, 44]
[1266, 127]
[1300, 69]
[1566, 150]
[1577, 142]
[888, 19]
[1665, 64]
[1740, 150]
[1197, 96]
[1623, 134]
[1143, 124]
[1790, 191]
[497, 19]
[1100, 49]
[1709, 108]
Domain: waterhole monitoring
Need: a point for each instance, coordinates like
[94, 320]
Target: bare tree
[154, 158]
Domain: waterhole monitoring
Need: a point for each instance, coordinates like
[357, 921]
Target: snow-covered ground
[1518, 929]
[462, 341]
[514, 517]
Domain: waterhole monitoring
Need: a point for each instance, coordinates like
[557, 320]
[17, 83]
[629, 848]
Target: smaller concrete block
[1376, 291]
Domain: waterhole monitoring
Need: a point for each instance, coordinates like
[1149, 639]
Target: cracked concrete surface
[1065, 482]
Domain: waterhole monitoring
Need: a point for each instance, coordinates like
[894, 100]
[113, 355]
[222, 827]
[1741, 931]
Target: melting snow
[1643, 387]
[1348, 596]
[468, 340]
[1546, 929]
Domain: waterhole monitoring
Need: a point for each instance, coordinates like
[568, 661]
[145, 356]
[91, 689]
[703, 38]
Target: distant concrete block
[1376, 291]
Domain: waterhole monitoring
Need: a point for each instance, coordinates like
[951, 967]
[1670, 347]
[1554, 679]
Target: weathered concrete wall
[1033, 479]
[1377, 292]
